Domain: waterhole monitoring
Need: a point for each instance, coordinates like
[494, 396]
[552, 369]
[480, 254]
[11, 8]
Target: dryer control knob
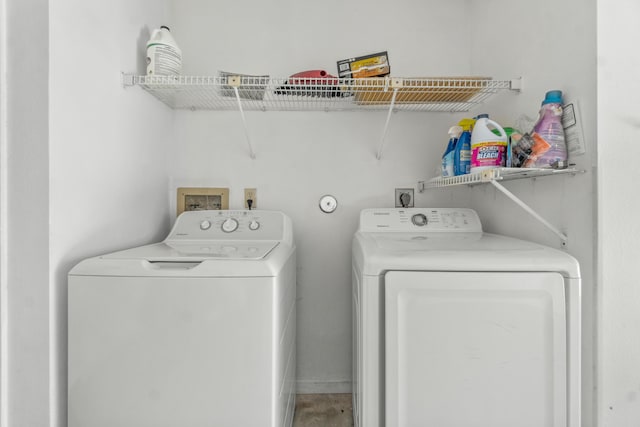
[205, 224]
[230, 225]
[419, 219]
[254, 225]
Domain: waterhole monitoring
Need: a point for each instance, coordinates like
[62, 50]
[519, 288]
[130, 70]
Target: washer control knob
[230, 225]
[419, 219]
[254, 225]
[205, 224]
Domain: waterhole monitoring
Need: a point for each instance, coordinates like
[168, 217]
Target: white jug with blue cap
[164, 57]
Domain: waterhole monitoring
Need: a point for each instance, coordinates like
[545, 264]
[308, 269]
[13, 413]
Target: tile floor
[323, 410]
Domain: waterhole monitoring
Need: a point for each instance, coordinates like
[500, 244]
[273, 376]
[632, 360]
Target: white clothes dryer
[194, 331]
[454, 327]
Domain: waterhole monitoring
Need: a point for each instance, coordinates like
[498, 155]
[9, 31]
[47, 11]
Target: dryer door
[475, 349]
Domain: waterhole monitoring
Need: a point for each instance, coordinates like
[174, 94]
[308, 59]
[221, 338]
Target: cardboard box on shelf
[374, 65]
[419, 90]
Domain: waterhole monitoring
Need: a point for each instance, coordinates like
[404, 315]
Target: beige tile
[323, 410]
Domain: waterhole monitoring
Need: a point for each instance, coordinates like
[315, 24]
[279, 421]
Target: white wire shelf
[496, 174]
[264, 93]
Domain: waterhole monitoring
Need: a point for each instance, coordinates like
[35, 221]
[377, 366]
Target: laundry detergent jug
[164, 57]
[462, 150]
[488, 149]
[448, 165]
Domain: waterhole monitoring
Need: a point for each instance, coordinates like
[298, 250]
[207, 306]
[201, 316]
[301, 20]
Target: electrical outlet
[251, 194]
[404, 198]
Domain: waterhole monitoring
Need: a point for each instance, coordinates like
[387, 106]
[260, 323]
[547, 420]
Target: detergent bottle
[447, 158]
[511, 135]
[462, 151]
[488, 150]
[164, 57]
[550, 148]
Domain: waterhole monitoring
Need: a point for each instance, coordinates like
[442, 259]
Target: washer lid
[198, 251]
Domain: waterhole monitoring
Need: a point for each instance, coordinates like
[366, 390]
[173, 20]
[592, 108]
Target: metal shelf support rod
[244, 123]
[530, 211]
[386, 124]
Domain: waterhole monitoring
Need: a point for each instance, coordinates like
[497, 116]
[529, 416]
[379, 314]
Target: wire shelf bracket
[395, 84]
[234, 82]
[563, 237]
[494, 176]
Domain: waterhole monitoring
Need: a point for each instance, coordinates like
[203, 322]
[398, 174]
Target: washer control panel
[229, 225]
[420, 219]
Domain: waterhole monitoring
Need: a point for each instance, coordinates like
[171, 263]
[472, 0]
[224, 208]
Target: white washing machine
[454, 327]
[194, 331]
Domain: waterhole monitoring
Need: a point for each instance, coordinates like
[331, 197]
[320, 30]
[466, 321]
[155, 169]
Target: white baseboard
[323, 386]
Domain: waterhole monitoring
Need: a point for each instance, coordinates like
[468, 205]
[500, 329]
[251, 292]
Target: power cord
[249, 203]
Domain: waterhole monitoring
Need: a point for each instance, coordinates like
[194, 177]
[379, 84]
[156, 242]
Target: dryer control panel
[420, 219]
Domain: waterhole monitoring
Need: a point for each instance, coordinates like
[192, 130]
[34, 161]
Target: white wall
[27, 212]
[4, 264]
[302, 156]
[618, 134]
[107, 151]
[552, 45]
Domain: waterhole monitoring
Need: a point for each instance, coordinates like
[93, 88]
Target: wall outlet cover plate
[201, 198]
[250, 193]
[404, 198]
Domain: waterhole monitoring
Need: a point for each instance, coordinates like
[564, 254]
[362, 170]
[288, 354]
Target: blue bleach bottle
[462, 151]
[448, 167]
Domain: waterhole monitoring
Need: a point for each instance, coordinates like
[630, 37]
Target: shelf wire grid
[264, 93]
[497, 174]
